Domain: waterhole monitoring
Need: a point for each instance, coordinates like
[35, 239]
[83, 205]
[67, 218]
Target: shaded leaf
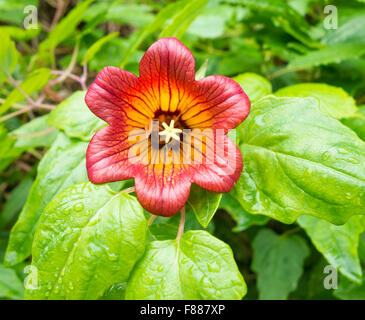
[75, 118]
[203, 203]
[61, 167]
[338, 244]
[278, 261]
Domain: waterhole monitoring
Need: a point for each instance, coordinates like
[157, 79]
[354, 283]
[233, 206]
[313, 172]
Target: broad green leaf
[34, 134]
[160, 19]
[166, 228]
[13, 11]
[347, 290]
[201, 73]
[115, 292]
[278, 261]
[299, 161]
[163, 231]
[15, 202]
[211, 22]
[334, 53]
[137, 15]
[338, 244]
[207, 26]
[8, 54]
[75, 118]
[8, 151]
[333, 101]
[21, 34]
[181, 21]
[254, 85]
[243, 219]
[11, 287]
[200, 267]
[284, 17]
[357, 122]
[88, 238]
[34, 82]
[203, 203]
[61, 167]
[91, 51]
[362, 247]
[353, 30]
[65, 28]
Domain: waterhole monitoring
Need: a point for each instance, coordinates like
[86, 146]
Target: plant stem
[181, 225]
[128, 190]
[35, 134]
[151, 219]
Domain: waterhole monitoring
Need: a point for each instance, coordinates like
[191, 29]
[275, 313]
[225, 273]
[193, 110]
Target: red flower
[154, 128]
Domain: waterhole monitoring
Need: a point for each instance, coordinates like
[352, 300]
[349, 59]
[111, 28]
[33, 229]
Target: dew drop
[214, 267]
[68, 230]
[78, 206]
[349, 196]
[326, 155]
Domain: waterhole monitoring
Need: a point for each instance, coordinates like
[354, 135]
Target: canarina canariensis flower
[166, 130]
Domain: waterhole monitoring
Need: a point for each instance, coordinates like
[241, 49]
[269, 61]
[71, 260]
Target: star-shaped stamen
[170, 131]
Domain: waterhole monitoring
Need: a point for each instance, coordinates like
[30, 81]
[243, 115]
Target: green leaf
[35, 133]
[181, 21]
[160, 19]
[13, 11]
[254, 85]
[243, 219]
[199, 267]
[353, 30]
[203, 203]
[357, 122]
[88, 238]
[284, 17]
[15, 202]
[8, 54]
[115, 292]
[8, 151]
[163, 231]
[338, 244]
[347, 290]
[61, 167]
[21, 34]
[75, 118]
[34, 82]
[200, 74]
[334, 53]
[299, 161]
[333, 101]
[278, 261]
[361, 250]
[11, 287]
[65, 28]
[96, 46]
[137, 15]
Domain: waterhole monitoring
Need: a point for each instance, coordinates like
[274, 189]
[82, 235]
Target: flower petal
[219, 103]
[110, 98]
[166, 68]
[219, 174]
[107, 156]
[163, 189]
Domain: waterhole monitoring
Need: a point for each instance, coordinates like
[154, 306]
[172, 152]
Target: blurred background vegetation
[285, 42]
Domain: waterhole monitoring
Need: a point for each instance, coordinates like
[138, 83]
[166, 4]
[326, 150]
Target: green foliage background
[298, 206]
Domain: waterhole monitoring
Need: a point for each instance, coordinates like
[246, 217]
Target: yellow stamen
[170, 131]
